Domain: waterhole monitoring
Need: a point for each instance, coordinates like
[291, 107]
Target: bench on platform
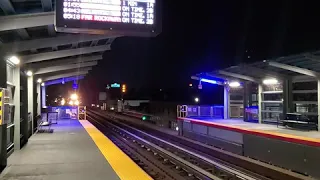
[299, 121]
[44, 125]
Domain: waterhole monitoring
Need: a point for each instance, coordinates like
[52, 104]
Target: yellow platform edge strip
[124, 167]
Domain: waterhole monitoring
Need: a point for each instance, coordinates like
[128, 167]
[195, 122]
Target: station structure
[33, 56]
[270, 88]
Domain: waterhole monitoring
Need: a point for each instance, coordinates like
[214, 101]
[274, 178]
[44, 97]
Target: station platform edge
[273, 135]
[124, 167]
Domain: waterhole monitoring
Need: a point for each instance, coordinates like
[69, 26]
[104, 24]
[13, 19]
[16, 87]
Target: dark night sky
[198, 37]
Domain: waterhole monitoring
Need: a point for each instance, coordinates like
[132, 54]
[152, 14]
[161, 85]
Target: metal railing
[200, 111]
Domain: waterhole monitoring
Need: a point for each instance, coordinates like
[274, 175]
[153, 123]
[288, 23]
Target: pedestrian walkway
[68, 153]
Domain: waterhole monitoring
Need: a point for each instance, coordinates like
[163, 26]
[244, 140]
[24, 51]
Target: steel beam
[46, 5]
[239, 76]
[64, 67]
[195, 78]
[294, 69]
[94, 43]
[26, 20]
[78, 73]
[65, 61]
[9, 48]
[63, 80]
[51, 30]
[223, 77]
[23, 34]
[266, 72]
[303, 78]
[64, 53]
[7, 7]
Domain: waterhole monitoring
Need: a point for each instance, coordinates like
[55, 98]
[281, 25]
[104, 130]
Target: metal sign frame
[82, 113]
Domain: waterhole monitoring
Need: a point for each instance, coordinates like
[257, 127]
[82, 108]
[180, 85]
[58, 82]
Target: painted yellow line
[125, 168]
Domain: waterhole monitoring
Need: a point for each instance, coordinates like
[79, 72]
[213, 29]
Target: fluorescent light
[42, 84]
[209, 81]
[270, 81]
[234, 84]
[14, 60]
[29, 73]
[39, 80]
[196, 99]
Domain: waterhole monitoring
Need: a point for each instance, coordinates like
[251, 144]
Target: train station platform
[265, 130]
[75, 150]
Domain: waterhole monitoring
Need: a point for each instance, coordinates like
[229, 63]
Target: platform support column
[38, 99]
[30, 100]
[226, 102]
[318, 104]
[260, 88]
[43, 96]
[287, 97]
[3, 128]
[16, 102]
[245, 99]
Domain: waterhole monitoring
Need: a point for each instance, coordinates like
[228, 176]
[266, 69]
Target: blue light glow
[209, 81]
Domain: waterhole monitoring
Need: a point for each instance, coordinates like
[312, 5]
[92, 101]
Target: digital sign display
[109, 16]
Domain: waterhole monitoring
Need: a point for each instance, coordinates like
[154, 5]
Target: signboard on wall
[117, 17]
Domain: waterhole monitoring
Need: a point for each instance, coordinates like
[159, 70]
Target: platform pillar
[38, 99]
[318, 104]
[3, 128]
[245, 99]
[16, 102]
[287, 97]
[43, 96]
[260, 89]
[226, 102]
[30, 100]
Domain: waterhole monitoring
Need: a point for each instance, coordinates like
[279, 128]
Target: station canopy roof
[27, 31]
[300, 67]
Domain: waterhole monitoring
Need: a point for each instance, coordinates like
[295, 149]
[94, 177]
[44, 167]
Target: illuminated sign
[115, 85]
[108, 16]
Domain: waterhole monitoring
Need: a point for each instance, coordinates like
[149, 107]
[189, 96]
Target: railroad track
[162, 159]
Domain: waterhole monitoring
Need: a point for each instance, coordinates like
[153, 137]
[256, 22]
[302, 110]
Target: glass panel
[304, 108]
[276, 87]
[10, 133]
[305, 85]
[272, 106]
[305, 97]
[270, 117]
[236, 97]
[272, 97]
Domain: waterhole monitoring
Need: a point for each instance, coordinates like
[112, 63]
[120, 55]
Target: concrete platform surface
[264, 127]
[279, 132]
[67, 153]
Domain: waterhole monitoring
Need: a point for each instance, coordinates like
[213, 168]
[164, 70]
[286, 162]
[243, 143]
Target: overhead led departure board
[139, 16]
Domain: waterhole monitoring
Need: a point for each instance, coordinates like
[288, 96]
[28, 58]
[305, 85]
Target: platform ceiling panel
[307, 63]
